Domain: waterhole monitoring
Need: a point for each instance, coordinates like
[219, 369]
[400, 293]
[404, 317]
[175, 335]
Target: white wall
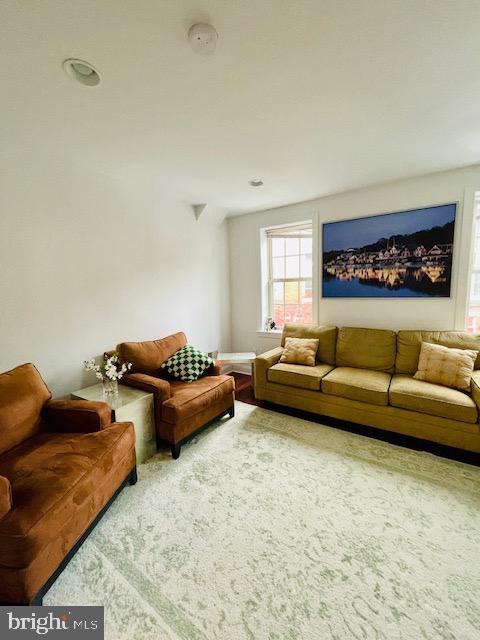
[395, 313]
[87, 262]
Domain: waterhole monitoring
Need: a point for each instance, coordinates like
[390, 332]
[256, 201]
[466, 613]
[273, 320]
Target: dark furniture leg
[175, 449]
[132, 478]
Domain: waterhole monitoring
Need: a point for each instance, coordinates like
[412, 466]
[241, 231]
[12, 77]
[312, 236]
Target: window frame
[473, 269]
[270, 280]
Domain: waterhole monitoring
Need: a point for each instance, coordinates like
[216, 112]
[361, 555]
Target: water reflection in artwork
[414, 261]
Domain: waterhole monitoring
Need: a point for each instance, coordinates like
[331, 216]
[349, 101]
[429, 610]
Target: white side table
[247, 357]
[131, 405]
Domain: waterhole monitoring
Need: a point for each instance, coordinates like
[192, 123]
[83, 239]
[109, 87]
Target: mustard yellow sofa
[365, 376]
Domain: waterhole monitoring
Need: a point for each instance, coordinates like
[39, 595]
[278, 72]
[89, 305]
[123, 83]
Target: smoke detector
[203, 38]
[82, 72]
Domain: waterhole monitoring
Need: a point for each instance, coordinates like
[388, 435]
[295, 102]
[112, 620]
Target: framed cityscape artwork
[407, 254]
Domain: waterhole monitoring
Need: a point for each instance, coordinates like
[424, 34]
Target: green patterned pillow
[187, 364]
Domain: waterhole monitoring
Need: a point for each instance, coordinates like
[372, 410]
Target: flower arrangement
[109, 372]
[109, 369]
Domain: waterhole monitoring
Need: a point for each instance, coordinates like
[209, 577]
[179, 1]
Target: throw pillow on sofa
[187, 364]
[300, 351]
[446, 366]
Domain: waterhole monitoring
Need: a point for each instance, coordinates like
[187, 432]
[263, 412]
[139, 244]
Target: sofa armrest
[475, 390]
[263, 362]
[76, 416]
[158, 386]
[5, 496]
[213, 370]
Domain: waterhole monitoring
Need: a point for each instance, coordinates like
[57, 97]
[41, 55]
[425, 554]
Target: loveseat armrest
[158, 386]
[475, 390]
[263, 362]
[76, 416]
[5, 496]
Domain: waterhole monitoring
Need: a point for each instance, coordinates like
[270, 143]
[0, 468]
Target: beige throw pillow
[300, 351]
[449, 367]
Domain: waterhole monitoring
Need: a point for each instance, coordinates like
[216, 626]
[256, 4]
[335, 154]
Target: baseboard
[226, 369]
[243, 368]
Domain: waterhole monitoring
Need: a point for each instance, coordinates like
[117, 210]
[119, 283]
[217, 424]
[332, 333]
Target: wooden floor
[244, 389]
[244, 393]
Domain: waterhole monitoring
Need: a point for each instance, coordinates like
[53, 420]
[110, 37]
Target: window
[473, 317]
[289, 252]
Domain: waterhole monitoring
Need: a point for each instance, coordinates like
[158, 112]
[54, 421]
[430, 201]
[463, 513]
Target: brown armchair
[61, 464]
[181, 408]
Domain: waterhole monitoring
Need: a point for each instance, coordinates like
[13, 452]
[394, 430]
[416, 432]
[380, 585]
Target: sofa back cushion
[373, 349]
[409, 344]
[148, 356]
[22, 396]
[326, 335]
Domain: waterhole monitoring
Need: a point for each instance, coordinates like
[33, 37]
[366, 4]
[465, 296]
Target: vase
[110, 389]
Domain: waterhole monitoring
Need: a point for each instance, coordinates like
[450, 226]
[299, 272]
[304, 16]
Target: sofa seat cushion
[425, 397]
[59, 483]
[190, 398]
[298, 375]
[364, 385]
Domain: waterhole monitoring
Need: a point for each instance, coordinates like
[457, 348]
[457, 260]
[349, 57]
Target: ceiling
[312, 96]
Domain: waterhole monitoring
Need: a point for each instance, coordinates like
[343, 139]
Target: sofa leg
[132, 478]
[231, 411]
[175, 449]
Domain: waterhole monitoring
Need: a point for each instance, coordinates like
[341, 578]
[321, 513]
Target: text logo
[58, 623]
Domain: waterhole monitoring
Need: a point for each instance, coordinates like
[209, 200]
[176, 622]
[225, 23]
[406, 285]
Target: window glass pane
[278, 247]
[291, 292]
[291, 313]
[279, 315]
[292, 246]
[305, 313]
[306, 265]
[475, 287]
[306, 292]
[292, 267]
[473, 316]
[306, 245]
[278, 268]
[476, 251]
[278, 293]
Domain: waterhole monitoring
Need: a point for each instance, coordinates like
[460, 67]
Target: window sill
[276, 334]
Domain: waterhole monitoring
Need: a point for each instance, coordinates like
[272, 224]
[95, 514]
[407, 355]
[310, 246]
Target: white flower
[109, 370]
[89, 364]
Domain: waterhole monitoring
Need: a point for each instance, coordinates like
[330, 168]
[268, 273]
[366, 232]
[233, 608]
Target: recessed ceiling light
[82, 72]
[256, 182]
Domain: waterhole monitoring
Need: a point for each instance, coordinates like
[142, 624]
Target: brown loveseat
[366, 376]
[61, 463]
[181, 408]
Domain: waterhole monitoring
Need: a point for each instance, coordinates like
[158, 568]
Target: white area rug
[272, 527]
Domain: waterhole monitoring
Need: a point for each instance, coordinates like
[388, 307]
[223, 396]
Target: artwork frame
[400, 254]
